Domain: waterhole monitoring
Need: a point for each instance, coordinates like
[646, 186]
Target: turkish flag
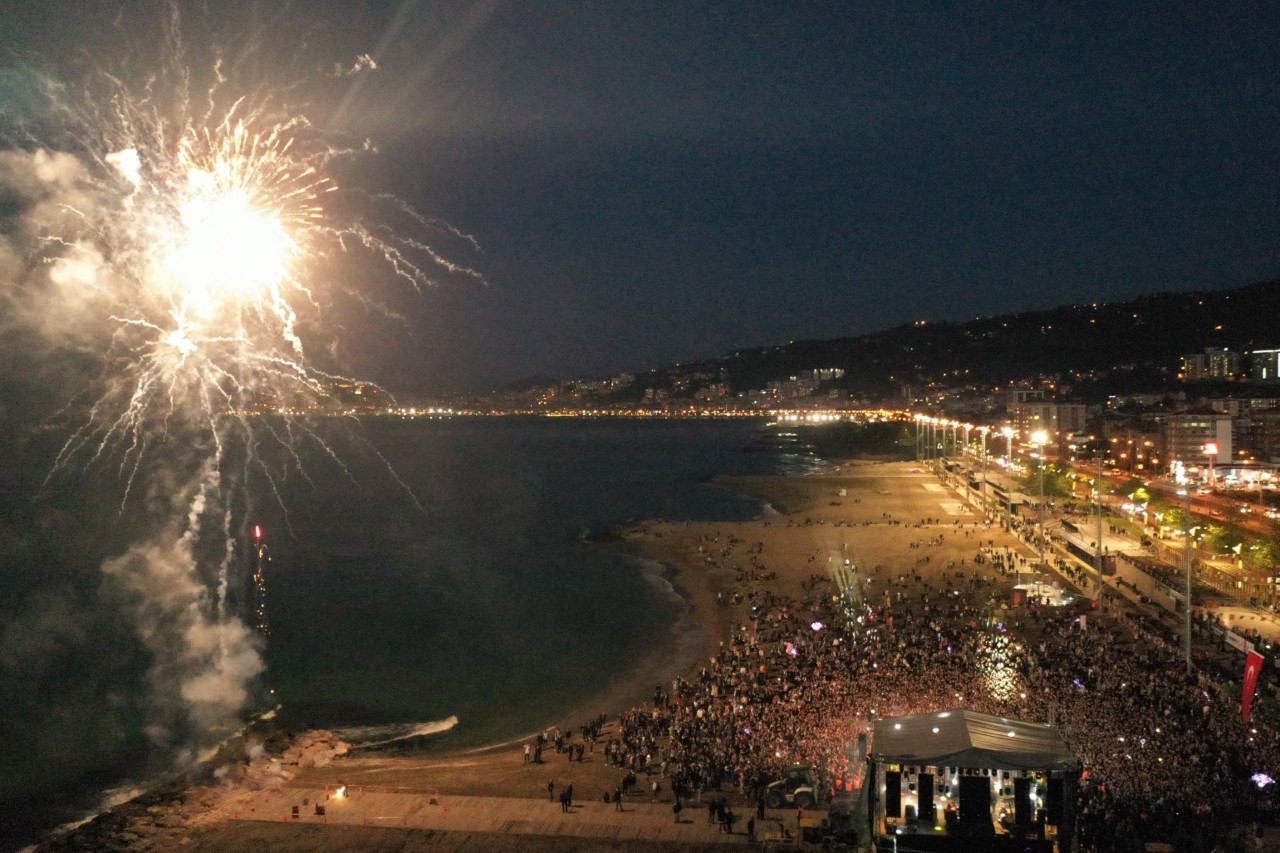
[1252, 666]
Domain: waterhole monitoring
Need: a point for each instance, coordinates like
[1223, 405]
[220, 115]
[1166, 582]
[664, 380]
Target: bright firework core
[229, 251]
[206, 250]
[237, 199]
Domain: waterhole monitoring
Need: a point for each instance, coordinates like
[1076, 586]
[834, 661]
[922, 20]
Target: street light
[1008, 432]
[983, 495]
[1097, 498]
[1039, 439]
[1186, 559]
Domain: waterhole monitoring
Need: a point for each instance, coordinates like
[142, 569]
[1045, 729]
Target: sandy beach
[869, 513]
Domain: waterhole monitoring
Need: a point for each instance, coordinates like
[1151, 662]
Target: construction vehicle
[799, 788]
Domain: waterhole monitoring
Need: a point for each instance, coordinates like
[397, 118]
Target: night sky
[658, 182]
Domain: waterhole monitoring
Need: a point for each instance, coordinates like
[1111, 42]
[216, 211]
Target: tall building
[1213, 363]
[1264, 434]
[1186, 433]
[1057, 419]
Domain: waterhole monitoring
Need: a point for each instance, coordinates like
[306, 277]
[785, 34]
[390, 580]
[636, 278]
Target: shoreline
[711, 608]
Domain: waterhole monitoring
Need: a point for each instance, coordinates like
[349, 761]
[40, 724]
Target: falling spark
[192, 249]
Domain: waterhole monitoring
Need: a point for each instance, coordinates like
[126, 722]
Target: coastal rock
[165, 817]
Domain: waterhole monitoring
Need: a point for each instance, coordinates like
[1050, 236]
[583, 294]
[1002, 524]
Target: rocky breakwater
[219, 790]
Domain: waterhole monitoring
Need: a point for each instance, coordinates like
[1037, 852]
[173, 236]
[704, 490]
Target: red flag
[1252, 666]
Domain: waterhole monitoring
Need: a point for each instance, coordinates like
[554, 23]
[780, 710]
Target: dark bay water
[490, 601]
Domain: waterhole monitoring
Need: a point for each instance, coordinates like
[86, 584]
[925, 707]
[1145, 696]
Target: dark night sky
[653, 182]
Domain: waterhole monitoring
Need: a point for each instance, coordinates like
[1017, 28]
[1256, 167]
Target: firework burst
[191, 254]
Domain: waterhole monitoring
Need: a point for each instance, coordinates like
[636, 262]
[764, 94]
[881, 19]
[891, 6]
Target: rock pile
[162, 818]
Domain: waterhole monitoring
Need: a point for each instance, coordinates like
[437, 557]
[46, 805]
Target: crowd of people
[1162, 752]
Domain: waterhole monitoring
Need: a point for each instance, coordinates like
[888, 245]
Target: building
[1185, 435]
[1213, 363]
[1057, 419]
[1264, 434]
[1265, 365]
[1244, 423]
[1020, 395]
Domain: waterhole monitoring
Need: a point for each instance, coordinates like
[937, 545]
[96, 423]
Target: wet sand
[873, 524]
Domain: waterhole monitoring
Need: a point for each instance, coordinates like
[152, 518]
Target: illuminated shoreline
[812, 416]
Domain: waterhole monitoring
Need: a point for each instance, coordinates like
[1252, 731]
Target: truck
[798, 788]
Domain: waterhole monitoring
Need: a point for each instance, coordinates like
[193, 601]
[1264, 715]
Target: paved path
[638, 820]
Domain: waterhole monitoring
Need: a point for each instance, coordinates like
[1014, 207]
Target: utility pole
[1097, 496]
[1186, 559]
[1040, 439]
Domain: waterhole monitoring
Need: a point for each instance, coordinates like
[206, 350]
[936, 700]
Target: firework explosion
[186, 253]
[200, 262]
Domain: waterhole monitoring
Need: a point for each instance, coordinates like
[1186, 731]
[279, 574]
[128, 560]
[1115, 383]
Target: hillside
[1102, 348]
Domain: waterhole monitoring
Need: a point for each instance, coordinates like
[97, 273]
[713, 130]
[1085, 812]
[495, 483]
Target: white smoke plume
[55, 283]
[203, 660]
[51, 283]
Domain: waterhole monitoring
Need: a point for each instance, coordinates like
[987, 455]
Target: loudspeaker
[1022, 802]
[975, 804]
[1056, 801]
[927, 811]
[892, 793]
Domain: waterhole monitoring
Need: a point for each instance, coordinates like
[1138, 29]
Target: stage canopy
[960, 738]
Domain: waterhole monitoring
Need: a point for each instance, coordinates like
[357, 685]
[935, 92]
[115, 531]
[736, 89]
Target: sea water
[471, 593]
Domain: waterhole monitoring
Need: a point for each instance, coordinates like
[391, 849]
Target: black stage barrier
[924, 789]
[893, 793]
[975, 805]
[1055, 807]
[1022, 814]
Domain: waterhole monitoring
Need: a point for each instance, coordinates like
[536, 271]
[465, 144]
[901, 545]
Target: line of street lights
[1039, 439]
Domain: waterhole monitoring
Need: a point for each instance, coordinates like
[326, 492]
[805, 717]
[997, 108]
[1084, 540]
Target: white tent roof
[961, 738]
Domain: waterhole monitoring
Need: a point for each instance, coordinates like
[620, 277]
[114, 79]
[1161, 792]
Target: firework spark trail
[186, 246]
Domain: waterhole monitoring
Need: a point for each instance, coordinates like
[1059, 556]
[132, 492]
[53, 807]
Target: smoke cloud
[165, 581]
[201, 664]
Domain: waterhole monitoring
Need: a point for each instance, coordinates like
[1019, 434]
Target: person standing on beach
[551, 790]
[526, 753]
[617, 799]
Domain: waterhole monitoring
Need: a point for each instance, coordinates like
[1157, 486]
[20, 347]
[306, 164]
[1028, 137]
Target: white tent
[967, 739]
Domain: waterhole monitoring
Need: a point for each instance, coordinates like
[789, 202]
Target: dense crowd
[1163, 752]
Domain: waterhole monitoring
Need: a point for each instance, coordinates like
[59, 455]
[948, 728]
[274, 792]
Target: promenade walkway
[511, 815]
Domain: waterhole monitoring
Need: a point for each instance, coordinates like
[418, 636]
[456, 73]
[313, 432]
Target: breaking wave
[367, 736]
